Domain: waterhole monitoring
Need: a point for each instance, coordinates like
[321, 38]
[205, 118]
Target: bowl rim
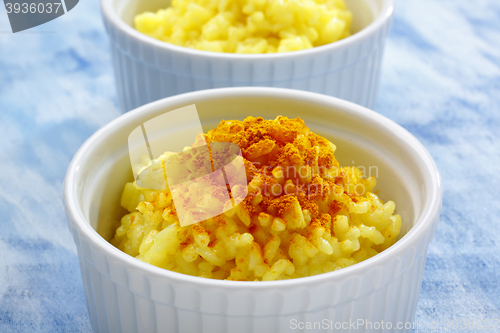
[430, 212]
[110, 14]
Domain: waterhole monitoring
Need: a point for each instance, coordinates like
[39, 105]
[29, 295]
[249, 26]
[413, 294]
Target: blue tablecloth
[441, 81]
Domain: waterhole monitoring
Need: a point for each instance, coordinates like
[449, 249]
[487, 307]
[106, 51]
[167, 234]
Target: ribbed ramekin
[128, 295]
[147, 69]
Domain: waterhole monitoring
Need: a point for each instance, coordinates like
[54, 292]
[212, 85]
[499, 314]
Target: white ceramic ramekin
[147, 69]
[128, 295]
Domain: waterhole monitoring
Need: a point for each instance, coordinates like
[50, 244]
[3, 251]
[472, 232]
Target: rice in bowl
[255, 26]
[303, 215]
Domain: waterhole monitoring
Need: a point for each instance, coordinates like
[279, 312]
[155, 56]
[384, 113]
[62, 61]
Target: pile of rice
[248, 26]
[303, 214]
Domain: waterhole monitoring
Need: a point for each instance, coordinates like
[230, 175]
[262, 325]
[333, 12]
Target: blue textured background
[441, 81]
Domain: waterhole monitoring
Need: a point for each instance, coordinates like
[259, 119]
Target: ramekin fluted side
[121, 298]
[146, 72]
